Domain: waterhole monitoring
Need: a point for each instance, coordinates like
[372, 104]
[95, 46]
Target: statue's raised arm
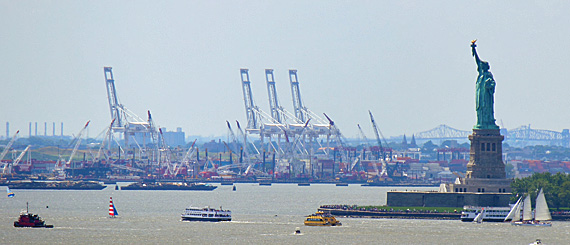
[474, 52]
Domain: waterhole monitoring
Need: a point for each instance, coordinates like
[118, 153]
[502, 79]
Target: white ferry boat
[206, 214]
[491, 214]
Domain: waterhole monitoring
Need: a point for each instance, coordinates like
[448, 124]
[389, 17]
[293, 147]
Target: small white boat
[537, 242]
[206, 214]
[541, 212]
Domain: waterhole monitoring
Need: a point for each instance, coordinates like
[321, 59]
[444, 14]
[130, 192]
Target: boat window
[482, 146]
[488, 146]
[494, 149]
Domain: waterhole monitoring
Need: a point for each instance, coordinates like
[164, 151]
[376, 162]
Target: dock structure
[446, 199]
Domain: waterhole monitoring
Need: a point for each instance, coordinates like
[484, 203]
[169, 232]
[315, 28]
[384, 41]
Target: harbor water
[261, 215]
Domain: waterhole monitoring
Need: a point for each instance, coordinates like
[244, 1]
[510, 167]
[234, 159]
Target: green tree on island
[556, 188]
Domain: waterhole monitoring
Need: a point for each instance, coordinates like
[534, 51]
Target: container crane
[16, 162]
[365, 148]
[232, 136]
[165, 149]
[250, 108]
[276, 110]
[245, 141]
[126, 122]
[379, 141]
[60, 165]
[366, 145]
[114, 106]
[298, 138]
[7, 148]
[154, 136]
[108, 135]
[186, 159]
[333, 129]
[301, 111]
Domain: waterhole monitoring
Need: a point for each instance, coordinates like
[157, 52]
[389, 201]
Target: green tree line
[556, 188]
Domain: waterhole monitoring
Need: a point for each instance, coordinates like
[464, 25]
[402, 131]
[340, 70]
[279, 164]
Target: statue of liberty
[485, 89]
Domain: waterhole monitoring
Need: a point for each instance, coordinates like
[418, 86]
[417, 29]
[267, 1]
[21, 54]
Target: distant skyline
[409, 62]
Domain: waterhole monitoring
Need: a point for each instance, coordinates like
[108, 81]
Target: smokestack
[30, 130]
[7, 130]
[36, 134]
[53, 134]
[62, 129]
[45, 128]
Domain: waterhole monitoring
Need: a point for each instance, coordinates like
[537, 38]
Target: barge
[184, 186]
[56, 185]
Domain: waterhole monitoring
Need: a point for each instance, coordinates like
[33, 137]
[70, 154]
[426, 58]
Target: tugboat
[321, 219]
[30, 220]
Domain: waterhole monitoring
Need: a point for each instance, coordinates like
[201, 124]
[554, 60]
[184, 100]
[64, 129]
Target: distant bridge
[524, 135]
[442, 132]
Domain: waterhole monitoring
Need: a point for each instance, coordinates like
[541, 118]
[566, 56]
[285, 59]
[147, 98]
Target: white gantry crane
[320, 127]
[258, 122]
[279, 122]
[125, 121]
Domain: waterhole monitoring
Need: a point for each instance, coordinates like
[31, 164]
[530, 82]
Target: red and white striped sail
[112, 210]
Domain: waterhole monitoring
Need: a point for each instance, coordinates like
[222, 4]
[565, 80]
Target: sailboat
[10, 193]
[479, 217]
[112, 210]
[515, 213]
[541, 212]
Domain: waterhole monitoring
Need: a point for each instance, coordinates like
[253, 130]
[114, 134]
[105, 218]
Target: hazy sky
[409, 62]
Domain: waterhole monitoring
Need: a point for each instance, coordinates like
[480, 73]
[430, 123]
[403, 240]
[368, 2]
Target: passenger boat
[541, 212]
[206, 214]
[484, 214]
[28, 219]
[184, 186]
[321, 218]
[57, 185]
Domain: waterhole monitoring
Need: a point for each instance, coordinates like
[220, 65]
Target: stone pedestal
[486, 153]
[485, 170]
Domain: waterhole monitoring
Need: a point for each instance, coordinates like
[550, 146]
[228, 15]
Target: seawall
[446, 199]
